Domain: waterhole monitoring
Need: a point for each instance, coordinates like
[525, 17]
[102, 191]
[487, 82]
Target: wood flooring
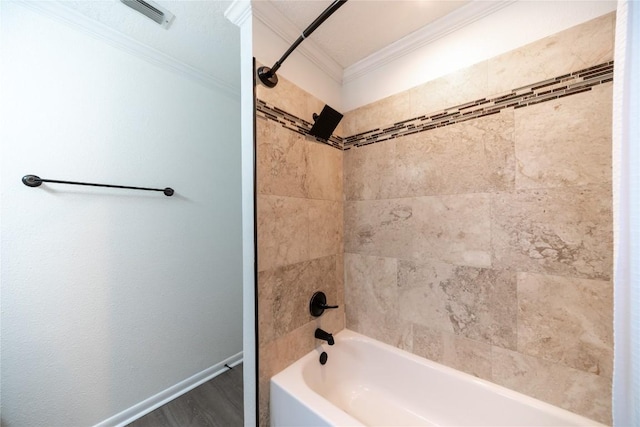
[216, 403]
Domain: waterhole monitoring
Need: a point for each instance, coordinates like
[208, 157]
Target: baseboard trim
[154, 402]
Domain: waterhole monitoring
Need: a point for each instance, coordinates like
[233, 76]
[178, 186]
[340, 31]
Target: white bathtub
[368, 383]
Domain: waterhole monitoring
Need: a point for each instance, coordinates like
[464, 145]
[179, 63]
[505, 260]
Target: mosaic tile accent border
[294, 123]
[543, 91]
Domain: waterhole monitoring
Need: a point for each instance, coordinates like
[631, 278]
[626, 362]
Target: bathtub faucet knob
[318, 304]
[326, 336]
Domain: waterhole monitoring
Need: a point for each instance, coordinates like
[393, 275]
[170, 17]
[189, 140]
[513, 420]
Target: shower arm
[268, 75]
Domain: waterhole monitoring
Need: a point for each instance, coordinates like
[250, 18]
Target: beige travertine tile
[387, 328]
[284, 294]
[460, 87]
[574, 49]
[281, 161]
[371, 284]
[468, 356]
[454, 228]
[577, 391]
[290, 98]
[561, 231]
[291, 165]
[277, 355]
[475, 303]
[324, 171]
[565, 142]
[263, 400]
[299, 216]
[379, 114]
[339, 131]
[340, 278]
[468, 84]
[431, 162]
[369, 171]
[283, 231]
[325, 228]
[371, 299]
[348, 124]
[380, 227]
[428, 343]
[566, 320]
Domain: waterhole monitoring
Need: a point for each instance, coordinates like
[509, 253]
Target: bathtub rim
[291, 381]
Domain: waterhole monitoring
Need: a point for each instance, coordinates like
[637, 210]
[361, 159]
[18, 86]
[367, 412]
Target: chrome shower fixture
[152, 11]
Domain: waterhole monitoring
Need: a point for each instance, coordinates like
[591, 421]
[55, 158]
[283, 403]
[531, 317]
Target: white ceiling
[362, 27]
[202, 38]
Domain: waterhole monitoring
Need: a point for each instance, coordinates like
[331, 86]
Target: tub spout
[326, 336]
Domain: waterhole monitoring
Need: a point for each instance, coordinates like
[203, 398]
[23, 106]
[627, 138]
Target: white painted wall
[110, 296]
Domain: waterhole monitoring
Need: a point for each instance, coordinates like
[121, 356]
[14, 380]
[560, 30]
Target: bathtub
[368, 383]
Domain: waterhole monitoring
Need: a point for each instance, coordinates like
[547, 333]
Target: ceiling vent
[151, 10]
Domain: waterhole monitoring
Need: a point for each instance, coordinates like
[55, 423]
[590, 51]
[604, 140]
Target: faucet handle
[318, 304]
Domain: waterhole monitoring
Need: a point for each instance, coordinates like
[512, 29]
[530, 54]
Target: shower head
[325, 123]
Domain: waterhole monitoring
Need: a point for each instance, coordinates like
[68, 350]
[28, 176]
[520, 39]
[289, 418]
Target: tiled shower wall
[300, 245]
[485, 243]
[477, 221]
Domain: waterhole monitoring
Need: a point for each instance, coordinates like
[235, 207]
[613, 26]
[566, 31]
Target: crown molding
[269, 15]
[457, 19]
[238, 12]
[61, 13]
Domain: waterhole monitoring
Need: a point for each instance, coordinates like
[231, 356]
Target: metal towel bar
[36, 181]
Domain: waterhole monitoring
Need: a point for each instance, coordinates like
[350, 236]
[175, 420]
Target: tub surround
[481, 241]
[486, 244]
[533, 93]
[300, 245]
[583, 46]
[291, 122]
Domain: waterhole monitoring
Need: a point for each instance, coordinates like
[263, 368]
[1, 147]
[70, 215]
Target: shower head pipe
[268, 75]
